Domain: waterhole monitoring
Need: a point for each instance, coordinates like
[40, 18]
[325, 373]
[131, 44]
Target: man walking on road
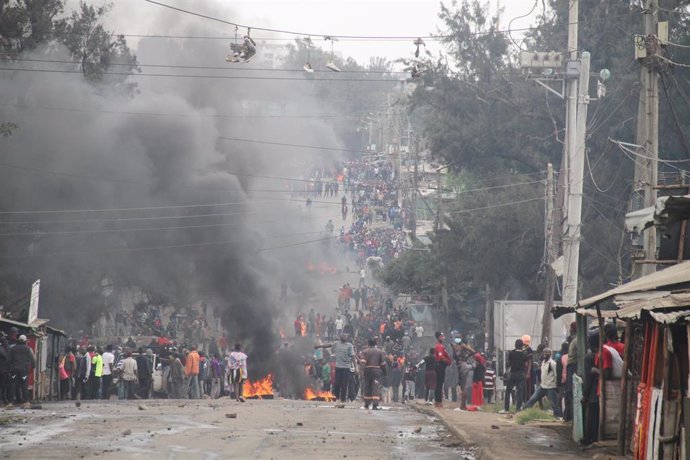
[548, 384]
[21, 362]
[374, 361]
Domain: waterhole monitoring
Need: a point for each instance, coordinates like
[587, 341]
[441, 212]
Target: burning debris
[311, 395]
[261, 389]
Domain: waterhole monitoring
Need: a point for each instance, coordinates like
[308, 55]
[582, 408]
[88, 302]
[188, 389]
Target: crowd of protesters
[90, 372]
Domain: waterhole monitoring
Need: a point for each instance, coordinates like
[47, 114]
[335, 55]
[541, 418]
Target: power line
[156, 248]
[307, 34]
[150, 229]
[198, 67]
[512, 203]
[304, 34]
[212, 77]
[284, 144]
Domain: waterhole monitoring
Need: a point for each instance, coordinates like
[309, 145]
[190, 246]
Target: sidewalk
[499, 437]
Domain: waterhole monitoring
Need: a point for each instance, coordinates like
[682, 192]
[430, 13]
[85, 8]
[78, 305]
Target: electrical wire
[172, 115]
[150, 229]
[502, 205]
[519, 46]
[198, 67]
[285, 144]
[166, 247]
[677, 64]
[307, 34]
[212, 77]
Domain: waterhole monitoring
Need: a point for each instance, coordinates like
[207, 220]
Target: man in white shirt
[339, 323]
[129, 375]
[107, 377]
[419, 331]
[237, 371]
[548, 384]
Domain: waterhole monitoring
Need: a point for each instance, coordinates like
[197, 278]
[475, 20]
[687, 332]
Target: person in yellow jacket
[191, 372]
[96, 372]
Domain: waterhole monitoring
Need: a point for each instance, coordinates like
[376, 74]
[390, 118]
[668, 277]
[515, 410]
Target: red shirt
[441, 354]
[608, 360]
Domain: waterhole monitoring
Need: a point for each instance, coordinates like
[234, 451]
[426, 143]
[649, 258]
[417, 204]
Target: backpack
[616, 363]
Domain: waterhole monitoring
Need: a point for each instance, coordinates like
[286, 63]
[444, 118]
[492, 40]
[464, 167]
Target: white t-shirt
[108, 359]
[338, 324]
[419, 331]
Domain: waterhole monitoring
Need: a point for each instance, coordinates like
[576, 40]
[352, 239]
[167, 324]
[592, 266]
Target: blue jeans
[342, 375]
[516, 381]
[194, 384]
[550, 393]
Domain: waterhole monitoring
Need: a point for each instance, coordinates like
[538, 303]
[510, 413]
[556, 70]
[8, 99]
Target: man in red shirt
[611, 344]
[442, 361]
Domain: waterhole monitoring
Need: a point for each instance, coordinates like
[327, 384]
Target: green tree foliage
[94, 47]
[7, 128]
[24, 24]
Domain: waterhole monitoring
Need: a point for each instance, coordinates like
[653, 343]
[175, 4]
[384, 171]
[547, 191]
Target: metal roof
[663, 307]
[672, 317]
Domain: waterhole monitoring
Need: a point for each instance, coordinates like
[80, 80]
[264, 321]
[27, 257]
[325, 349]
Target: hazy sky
[318, 17]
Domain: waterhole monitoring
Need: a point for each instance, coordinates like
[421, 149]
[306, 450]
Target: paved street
[185, 429]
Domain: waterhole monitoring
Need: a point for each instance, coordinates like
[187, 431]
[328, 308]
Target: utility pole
[571, 245]
[439, 201]
[647, 136]
[415, 191]
[549, 236]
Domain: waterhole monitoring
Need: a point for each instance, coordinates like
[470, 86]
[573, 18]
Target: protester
[21, 362]
[237, 367]
[108, 360]
[442, 361]
[430, 378]
[374, 362]
[129, 376]
[478, 380]
[191, 373]
[548, 384]
[516, 377]
[176, 377]
[590, 391]
[489, 382]
[5, 379]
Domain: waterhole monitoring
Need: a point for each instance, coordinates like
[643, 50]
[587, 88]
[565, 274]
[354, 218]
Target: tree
[24, 24]
[94, 47]
[7, 128]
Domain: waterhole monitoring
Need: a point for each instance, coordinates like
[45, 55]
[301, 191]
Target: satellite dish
[604, 74]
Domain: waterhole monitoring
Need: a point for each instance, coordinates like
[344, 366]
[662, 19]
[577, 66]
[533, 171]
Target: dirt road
[208, 429]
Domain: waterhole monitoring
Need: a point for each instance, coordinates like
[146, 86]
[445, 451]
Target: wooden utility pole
[439, 201]
[647, 136]
[549, 236]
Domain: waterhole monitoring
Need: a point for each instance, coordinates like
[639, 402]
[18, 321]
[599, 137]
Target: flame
[303, 328]
[310, 395]
[263, 387]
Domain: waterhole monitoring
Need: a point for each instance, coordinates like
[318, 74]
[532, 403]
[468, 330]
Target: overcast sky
[318, 17]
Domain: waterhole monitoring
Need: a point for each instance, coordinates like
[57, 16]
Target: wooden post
[625, 385]
[602, 380]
